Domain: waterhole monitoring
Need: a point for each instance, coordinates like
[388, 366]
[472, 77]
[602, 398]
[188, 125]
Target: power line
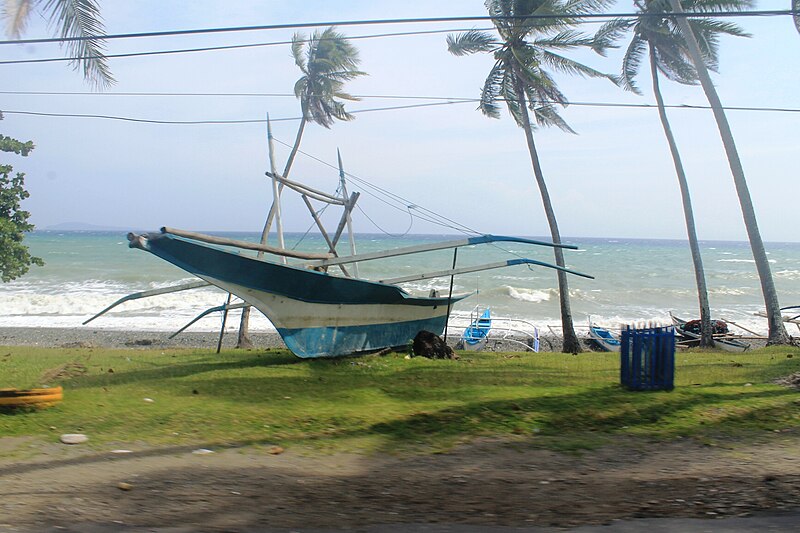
[453, 99]
[447, 101]
[400, 203]
[423, 20]
[242, 95]
[212, 122]
[215, 48]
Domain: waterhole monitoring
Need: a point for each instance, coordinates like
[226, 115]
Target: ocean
[636, 281]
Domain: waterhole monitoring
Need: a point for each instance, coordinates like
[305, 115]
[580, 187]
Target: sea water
[634, 281]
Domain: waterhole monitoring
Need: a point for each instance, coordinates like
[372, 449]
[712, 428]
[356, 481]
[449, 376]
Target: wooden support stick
[211, 239]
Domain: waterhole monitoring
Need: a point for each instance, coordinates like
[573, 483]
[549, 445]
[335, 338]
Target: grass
[390, 403]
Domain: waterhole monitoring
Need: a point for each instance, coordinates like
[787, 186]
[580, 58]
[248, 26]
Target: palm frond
[81, 18]
[572, 67]
[673, 61]
[492, 89]
[298, 40]
[509, 92]
[609, 33]
[16, 13]
[711, 6]
[565, 40]
[470, 42]
[631, 62]
[547, 115]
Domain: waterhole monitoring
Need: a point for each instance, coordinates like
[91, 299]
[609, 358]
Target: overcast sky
[614, 179]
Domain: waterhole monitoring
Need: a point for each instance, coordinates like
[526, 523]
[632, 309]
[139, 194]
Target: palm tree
[526, 47]
[699, 56]
[77, 19]
[659, 37]
[327, 60]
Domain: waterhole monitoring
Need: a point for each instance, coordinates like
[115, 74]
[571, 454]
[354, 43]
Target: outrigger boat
[485, 329]
[606, 340]
[689, 330]
[476, 335]
[317, 313]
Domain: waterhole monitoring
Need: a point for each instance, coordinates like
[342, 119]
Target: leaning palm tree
[659, 38]
[698, 54]
[327, 60]
[79, 22]
[530, 41]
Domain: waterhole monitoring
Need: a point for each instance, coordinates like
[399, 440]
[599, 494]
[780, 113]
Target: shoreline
[52, 337]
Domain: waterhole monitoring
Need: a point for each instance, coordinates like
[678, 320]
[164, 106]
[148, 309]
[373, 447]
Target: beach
[89, 337]
[85, 337]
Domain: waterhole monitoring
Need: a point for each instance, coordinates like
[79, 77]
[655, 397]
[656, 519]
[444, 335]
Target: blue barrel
[647, 358]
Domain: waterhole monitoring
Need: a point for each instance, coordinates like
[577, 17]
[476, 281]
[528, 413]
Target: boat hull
[316, 314]
[604, 338]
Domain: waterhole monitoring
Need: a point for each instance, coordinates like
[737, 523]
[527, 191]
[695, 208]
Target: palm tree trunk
[571, 343]
[706, 333]
[243, 340]
[777, 332]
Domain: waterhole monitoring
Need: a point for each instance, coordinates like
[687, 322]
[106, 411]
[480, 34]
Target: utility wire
[448, 101]
[420, 212]
[196, 122]
[243, 95]
[216, 48]
[232, 29]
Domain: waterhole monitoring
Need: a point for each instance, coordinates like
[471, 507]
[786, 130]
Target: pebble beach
[86, 337]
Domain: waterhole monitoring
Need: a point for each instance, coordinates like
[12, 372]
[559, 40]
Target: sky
[614, 179]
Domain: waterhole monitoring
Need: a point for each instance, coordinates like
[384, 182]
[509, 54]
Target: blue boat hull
[316, 314]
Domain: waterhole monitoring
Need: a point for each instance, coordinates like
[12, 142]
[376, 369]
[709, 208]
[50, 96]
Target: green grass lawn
[391, 403]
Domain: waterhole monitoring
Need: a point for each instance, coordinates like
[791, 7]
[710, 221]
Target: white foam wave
[530, 295]
[788, 274]
[727, 291]
[742, 261]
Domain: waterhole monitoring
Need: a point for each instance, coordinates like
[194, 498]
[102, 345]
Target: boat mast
[347, 212]
[276, 193]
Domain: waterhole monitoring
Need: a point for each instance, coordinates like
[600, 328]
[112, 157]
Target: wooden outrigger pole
[479, 268]
[153, 292]
[276, 192]
[348, 209]
[480, 239]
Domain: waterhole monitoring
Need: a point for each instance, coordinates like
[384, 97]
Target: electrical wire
[422, 20]
[376, 192]
[213, 122]
[215, 48]
[446, 101]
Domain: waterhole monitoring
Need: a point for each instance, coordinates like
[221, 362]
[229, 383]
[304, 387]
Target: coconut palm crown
[527, 46]
[76, 19]
[327, 60]
[667, 42]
